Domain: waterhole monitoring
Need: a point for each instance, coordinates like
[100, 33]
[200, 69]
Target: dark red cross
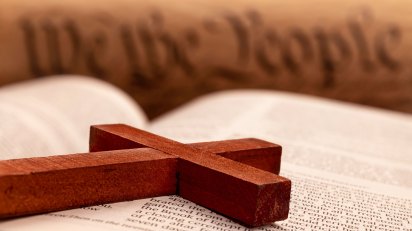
[236, 178]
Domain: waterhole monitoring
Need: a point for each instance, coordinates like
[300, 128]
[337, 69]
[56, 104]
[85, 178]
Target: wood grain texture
[251, 151]
[45, 184]
[234, 177]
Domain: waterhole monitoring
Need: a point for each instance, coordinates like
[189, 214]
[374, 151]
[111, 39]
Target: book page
[314, 132]
[53, 115]
[348, 165]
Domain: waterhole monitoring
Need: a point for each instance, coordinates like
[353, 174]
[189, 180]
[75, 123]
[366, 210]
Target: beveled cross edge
[127, 163]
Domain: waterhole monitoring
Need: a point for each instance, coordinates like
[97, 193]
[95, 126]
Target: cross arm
[254, 152]
[46, 184]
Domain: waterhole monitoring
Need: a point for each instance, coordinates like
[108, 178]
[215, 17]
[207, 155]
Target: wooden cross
[236, 178]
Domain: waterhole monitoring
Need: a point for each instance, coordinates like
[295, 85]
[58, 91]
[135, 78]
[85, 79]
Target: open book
[350, 165]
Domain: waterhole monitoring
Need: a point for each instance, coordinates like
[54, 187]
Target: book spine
[359, 51]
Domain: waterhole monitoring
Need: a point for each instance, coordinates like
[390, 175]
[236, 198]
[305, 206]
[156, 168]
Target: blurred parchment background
[164, 53]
